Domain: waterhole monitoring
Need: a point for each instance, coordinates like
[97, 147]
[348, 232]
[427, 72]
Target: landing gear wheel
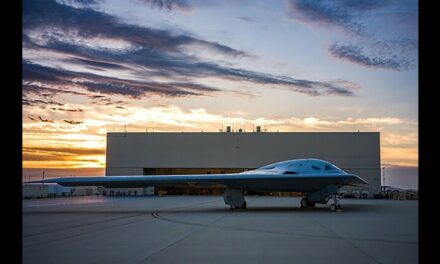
[244, 205]
[333, 207]
[304, 203]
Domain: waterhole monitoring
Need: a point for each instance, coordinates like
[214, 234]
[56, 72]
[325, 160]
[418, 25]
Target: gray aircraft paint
[307, 178]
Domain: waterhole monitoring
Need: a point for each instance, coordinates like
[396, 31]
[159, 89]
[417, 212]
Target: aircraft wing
[356, 181]
[244, 181]
[133, 181]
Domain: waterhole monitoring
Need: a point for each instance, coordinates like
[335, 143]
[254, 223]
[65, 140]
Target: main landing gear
[305, 203]
[234, 198]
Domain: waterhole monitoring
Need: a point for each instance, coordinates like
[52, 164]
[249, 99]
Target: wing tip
[357, 180]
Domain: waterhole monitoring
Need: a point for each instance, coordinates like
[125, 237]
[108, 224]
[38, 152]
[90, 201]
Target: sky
[97, 66]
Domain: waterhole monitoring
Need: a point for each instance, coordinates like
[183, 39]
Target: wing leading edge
[244, 181]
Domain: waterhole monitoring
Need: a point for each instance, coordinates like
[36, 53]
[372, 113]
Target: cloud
[106, 101]
[245, 18]
[66, 110]
[138, 89]
[28, 87]
[45, 120]
[93, 63]
[106, 85]
[65, 150]
[340, 14]
[56, 154]
[170, 118]
[80, 3]
[47, 22]
[32, 102]
[215, 48]
[402, 141]
[398, 147]
[73, 122]
[169, 5]
[83, 38]
[356, 54]
[183, 67]
[97, 96]
[382, 33]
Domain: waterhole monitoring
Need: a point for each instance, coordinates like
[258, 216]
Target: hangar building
[147, 153]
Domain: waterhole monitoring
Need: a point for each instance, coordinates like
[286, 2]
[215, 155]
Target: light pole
[383, 176]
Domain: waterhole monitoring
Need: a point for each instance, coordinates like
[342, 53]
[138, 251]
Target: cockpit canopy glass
[316, 167]
[329, 168]
[269, 167]
[304, 166]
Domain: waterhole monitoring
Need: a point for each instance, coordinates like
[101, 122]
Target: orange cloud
[58, 145]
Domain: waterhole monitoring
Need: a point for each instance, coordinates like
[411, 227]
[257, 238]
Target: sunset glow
[92, 67]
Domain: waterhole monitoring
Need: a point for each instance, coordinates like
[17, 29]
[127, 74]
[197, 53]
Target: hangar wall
[134, 153]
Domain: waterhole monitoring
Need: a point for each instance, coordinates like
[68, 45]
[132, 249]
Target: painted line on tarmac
[168, 219]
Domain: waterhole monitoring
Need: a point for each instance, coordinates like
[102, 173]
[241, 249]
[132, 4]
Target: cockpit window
[267, 168]
[329, 167]
[316, 167]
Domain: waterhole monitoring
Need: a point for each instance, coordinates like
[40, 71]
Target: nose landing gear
[322, 197]
[335, 206]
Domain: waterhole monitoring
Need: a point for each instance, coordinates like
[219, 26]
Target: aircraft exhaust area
[202, 229]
